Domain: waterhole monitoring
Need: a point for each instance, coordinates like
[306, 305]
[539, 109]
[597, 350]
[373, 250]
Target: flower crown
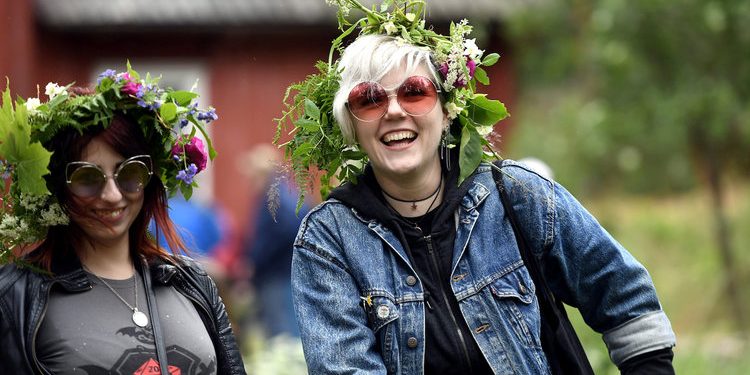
[308, 117]
[28, 208]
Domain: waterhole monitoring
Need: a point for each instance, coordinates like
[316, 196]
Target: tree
[660, 90]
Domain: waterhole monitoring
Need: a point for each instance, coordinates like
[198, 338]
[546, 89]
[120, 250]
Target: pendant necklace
[139, 318]
[414, 201]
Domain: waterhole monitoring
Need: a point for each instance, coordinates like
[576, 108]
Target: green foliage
[667, 84]
[317, 142]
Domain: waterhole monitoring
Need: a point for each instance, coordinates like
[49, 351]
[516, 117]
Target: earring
[444, 153]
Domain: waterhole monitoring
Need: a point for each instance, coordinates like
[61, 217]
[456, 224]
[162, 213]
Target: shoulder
[13, 277]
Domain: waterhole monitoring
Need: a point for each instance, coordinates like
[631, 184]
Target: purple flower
[183, 122]
[187, 175]
[208, 116]
[109, 73]
[194, 151]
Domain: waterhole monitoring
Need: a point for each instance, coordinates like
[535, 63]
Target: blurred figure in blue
[268, 247]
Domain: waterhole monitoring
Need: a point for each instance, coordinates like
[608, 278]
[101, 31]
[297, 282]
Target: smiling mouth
[108, 214]
[398, 138]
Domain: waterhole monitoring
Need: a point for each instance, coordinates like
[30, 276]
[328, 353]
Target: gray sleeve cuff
[640, 335]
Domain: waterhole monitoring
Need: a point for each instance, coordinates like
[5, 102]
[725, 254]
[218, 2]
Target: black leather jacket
[24, 295]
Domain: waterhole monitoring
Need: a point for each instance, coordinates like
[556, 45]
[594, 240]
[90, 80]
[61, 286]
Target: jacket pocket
[382, 314]
[515, 298]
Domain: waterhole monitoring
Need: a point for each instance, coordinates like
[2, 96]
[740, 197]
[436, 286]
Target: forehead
[396, 76]
[101, 153]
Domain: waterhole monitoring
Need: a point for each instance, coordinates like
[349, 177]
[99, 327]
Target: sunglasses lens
[417, 95]
[368, 101]
[86, 181]
[133, 176]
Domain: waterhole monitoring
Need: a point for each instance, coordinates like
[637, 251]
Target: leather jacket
[24, 295]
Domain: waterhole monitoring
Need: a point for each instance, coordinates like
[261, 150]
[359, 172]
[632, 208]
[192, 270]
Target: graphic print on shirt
[141, 360]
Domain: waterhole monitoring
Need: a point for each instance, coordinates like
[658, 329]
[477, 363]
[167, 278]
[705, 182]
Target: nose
[110, 191]
[394, 109]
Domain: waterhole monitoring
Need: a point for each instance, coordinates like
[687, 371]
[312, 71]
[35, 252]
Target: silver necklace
[139, 318]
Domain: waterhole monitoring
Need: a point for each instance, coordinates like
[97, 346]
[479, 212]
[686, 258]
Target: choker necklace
[414, 201]
[139, 318]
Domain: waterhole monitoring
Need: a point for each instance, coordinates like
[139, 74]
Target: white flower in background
[410, 17]
[390, 28]
[53, 89]
[471, 50]
[9, 226]
[32, 104]
[453, 110]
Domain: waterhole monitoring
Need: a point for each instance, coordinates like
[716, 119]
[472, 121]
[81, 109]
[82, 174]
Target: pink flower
[130, 87]
[195, 151]
[471, 66]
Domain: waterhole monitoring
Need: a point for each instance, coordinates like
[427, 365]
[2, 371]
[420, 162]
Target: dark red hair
[125, 137]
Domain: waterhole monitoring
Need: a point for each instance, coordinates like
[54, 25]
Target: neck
[108, 261]
[415, 196]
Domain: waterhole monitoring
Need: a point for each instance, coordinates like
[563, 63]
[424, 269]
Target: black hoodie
[449, 347]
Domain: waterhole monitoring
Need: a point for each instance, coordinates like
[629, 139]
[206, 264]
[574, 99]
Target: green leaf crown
[316, 140]
[28, 208]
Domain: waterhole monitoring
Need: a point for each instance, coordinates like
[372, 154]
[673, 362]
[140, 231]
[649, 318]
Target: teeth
[397, 136]
[108, 213]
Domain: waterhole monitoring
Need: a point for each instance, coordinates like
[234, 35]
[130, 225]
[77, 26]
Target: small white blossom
[32, 104]
[453, 110]
[9, 226]
[53, 89]
[471, 50]
[390, 28]
[484, 130]
[32, 202]
[410, 17]
[54, 215]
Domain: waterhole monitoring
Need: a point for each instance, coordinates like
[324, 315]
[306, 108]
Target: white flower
[471, 49]
[484, 130]
[390, 28]
[410, 17]
[53, 89]
[453, 110]
[54, 215]
[32, 104]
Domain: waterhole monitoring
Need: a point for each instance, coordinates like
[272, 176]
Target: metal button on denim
[412, 342]
[411, 280]
[383, 311]
[522, 288]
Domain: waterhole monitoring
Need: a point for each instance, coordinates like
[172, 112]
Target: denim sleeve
[588, 269]
[335, 336]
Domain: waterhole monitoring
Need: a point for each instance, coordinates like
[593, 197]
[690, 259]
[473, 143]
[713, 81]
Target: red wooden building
[243, 52]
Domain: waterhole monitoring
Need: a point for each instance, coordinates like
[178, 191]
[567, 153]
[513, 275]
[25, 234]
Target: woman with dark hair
[89, 290]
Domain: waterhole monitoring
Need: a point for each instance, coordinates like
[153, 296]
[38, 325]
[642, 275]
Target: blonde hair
[370, 58]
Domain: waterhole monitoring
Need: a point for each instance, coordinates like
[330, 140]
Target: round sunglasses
[368, 101]
[87, 180]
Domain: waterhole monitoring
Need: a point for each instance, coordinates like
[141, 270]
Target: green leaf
[490, 59]
[470, 152]
[168, 111]
[183, 98]
[311, 110]
[485, 112]
[30, 160]
[307, 125]
[303, 149]
[481, 76]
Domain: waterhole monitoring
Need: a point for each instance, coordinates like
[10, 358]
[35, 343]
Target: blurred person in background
[413, 266]
[89, 169]
[268, 245]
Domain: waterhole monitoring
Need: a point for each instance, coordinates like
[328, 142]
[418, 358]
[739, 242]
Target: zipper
[461, 339]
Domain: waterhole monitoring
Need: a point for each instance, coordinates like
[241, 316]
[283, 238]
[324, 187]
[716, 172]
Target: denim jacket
[361, 306]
